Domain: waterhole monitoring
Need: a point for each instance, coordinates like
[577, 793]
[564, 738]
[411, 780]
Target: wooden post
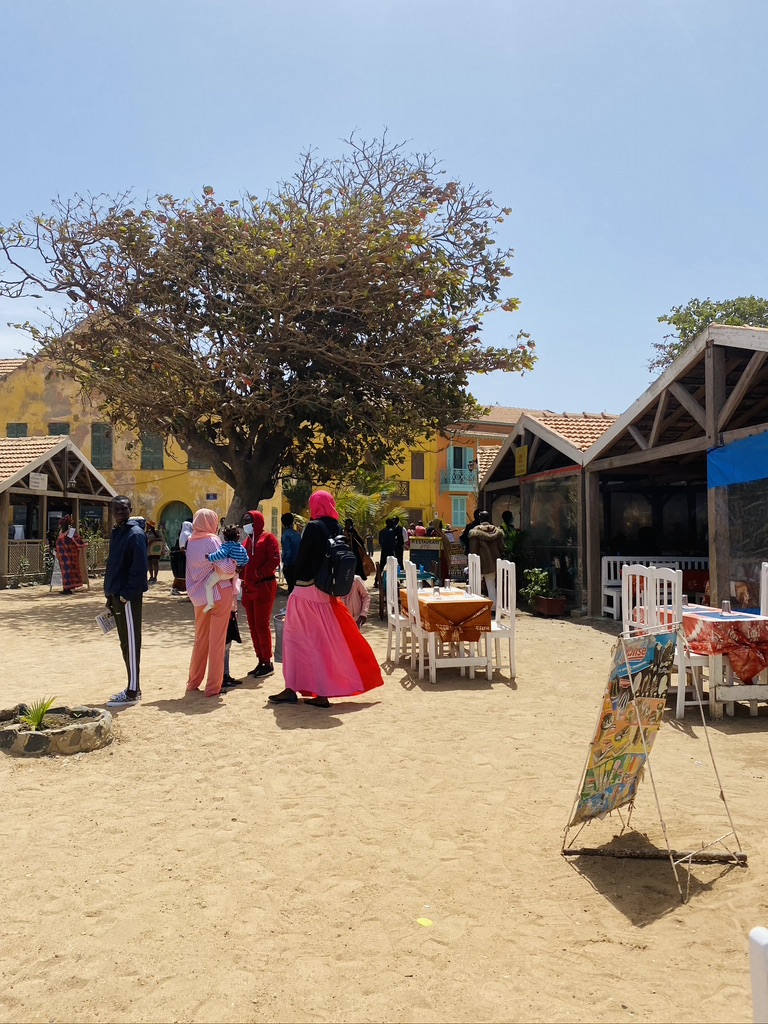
[592, 494]
[5, 522]
[717, 498]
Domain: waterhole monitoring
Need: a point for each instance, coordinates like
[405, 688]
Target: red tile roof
[16, 453]
[504, 414]
[579, 429]
[485, 457]
[9, 365]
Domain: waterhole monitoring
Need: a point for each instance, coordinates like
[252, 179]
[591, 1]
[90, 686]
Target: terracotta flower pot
[549, 606]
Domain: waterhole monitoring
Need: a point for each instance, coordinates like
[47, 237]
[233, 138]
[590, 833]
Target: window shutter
[101, 445]
[152, 451]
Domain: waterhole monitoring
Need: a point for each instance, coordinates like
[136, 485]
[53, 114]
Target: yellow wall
[422, 500]
[37, 397]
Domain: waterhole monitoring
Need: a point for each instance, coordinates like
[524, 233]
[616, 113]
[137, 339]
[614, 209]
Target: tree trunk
[248, 493]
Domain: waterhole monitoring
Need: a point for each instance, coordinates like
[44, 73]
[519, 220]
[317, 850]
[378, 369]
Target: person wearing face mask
[259, 580]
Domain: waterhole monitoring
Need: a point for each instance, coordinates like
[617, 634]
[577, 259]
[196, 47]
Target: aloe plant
[36, 713]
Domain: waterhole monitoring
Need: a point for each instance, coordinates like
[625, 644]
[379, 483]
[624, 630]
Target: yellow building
[439, 477]
[163, 484]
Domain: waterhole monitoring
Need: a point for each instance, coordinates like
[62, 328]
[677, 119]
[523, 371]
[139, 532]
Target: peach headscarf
[205, 523]
[322, 504]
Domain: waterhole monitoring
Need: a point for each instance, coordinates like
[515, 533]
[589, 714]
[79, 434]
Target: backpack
[337, 570]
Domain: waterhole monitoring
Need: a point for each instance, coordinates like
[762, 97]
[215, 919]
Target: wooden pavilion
[648, 484]
[42, 479]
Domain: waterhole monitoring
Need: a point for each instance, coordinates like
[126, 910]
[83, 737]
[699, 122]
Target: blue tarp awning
[740, 462]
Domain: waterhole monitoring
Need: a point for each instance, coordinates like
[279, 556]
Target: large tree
[691, 319]
[305, 333]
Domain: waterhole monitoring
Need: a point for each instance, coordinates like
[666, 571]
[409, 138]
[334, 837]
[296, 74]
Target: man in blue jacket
[125, 582]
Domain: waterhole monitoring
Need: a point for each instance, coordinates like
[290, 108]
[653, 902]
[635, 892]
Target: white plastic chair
[475, 581]
[398, 625]
[668, 592]
[638, 598]
[419, 636]
[424, 643]
[503, 624]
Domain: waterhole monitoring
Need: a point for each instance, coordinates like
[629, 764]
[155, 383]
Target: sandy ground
[232, 861]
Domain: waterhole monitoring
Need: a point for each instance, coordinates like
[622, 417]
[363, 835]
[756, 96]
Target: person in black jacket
[125, 581]
[324, 653]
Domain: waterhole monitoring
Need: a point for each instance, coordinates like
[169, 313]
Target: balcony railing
[459, 480]
[458, 477]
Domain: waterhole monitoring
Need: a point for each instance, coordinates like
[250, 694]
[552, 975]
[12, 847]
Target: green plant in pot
[541, 596]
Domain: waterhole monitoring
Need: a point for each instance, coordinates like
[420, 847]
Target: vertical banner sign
[618, 753]
[521, 460]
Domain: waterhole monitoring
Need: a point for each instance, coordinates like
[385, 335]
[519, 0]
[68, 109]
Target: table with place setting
[460, 620]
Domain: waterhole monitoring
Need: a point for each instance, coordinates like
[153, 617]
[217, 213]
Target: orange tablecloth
[743, 637]
[454, 615]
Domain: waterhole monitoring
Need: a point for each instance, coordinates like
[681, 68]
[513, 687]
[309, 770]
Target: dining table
[740, 637]
[460, 620]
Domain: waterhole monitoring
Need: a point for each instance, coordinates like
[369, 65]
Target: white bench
[610, 584]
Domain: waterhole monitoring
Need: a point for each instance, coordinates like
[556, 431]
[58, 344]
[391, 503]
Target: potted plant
[540, 594]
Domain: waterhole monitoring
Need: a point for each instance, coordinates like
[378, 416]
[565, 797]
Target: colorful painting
[627, 727]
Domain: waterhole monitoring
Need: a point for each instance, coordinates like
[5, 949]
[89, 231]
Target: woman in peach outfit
[210, 628]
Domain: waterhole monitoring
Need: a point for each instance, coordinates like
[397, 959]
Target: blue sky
[627, 136]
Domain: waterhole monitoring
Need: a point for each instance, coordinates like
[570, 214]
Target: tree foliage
[305, 333]
[690, 320]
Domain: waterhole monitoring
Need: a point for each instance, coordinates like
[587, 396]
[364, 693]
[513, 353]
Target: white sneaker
[124, 699]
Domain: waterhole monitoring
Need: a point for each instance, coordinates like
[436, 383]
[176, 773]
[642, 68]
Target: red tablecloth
[743, 637]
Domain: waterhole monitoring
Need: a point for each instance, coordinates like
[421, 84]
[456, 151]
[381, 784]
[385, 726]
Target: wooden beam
[665, 451]
[742, 432]
[748, 411]
[742, 386]
[499, 485]
[688, 402]
[5, 522]
[642, 444]
[51, 467]
[719, 545]
[534, 447]
[592, 530]
[658, 420]
[714, 384]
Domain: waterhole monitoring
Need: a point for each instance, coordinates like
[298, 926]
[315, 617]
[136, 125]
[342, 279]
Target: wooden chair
[503, 624]
[398, 625]
[668, 592]
[638, 598]
[611, 586]
[475, 582]
[419, 636]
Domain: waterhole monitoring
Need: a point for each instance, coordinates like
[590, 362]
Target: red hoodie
[263, 555]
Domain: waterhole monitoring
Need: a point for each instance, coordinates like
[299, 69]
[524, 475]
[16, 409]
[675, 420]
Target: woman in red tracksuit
[259, 581]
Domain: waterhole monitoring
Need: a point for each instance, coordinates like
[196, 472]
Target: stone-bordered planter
[64, 731]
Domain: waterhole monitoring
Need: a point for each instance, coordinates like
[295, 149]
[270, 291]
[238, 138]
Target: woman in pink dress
[324, 653]
[211, 628]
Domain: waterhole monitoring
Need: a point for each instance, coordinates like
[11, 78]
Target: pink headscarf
[205, 523]
[322, 504]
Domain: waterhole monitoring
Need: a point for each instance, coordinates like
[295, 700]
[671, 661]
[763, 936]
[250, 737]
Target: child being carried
[231, 548]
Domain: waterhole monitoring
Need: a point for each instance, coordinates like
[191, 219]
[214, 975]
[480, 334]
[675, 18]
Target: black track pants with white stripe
[128, 622]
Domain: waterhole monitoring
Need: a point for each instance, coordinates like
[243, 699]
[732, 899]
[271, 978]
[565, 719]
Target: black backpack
[337, 570]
